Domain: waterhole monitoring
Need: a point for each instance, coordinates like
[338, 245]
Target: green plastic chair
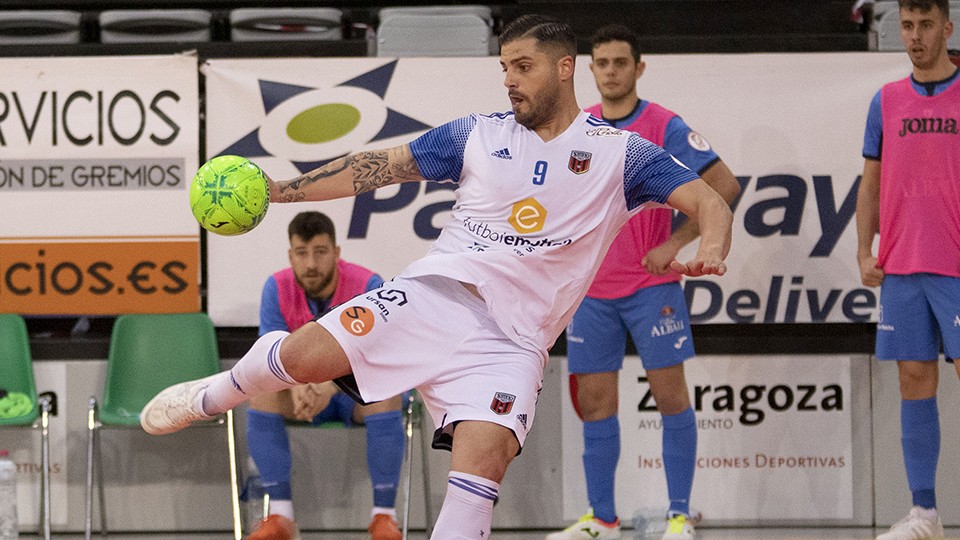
[148, 353]
[16, 375]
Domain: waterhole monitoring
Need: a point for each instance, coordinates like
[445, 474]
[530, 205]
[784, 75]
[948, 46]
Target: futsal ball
[229, 195]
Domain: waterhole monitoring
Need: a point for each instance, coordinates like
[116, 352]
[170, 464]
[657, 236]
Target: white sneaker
[175, 408]
[679, 527]
[588, 528]
[915, 527]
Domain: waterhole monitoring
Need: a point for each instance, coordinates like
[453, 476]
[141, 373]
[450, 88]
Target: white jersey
[533, 219]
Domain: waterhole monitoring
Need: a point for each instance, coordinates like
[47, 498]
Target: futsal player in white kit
[541, 194]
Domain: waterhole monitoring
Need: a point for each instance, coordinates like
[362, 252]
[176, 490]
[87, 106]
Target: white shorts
[431, 334]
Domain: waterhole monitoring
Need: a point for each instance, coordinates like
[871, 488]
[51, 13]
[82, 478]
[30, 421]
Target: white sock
[392, 512]
[928, 513]
[260, 371]
[467, 510]
[283, 507]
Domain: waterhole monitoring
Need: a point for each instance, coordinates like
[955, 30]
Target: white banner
[774, 440]
[96, 155]
[790, 126]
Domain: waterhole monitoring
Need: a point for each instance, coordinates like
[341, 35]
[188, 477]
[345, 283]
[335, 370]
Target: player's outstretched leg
[481, 453]
[310, 354]
[176, 407]
[182, 404]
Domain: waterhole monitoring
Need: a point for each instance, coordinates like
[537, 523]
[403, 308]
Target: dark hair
[306, 225]
[926, 5]
[616, 32]
[546, 30]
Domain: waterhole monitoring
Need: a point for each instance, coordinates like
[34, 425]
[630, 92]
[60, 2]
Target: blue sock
[385, 455]
[269, 447]
[680, 457]
[601, 452]
[920, 436]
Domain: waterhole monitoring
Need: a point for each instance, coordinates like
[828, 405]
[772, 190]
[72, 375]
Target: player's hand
[310, 399]
[870, 275]
[657, 260]
[700, 266]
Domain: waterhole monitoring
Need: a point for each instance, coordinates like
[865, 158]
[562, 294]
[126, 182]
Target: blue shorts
[917, 313]
[655, 317]
[340, 409]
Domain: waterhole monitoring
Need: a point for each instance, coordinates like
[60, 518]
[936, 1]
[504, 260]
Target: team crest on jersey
[579, 161]
[502, 403]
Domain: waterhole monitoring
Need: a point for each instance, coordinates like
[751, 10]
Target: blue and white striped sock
[260, 371]
[467, 511]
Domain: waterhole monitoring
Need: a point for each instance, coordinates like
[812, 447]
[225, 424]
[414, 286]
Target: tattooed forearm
[378, 168]
[292, 190]
[351, 175]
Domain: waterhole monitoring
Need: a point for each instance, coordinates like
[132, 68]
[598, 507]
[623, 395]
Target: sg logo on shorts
[528, 216]
[357, 320]
[502, 403]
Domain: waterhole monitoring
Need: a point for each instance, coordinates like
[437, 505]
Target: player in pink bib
[909, 194]
[635, 293]
[316, 281]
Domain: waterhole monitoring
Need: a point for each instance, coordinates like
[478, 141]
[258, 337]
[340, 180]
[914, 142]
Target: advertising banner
[96, 155]
[774, 440]
[789, 126]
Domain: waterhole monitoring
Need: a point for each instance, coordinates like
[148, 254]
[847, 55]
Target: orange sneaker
[275, 527]
[383, 527]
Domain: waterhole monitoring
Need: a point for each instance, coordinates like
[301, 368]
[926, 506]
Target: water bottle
[651, 523]
[8, 497]
[252, 496]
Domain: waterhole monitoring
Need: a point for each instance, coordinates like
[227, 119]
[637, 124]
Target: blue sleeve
[439, 152]
[374, 282]
[688, 146]
[873, 134]
[270, 316]
[650, 173]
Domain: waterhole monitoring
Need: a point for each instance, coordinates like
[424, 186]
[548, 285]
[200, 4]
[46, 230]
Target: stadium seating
[284, 24]
[25, 27]
[435, 31]
[154, 25]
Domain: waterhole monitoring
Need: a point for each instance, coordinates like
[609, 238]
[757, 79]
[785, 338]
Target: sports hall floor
[702, 534]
